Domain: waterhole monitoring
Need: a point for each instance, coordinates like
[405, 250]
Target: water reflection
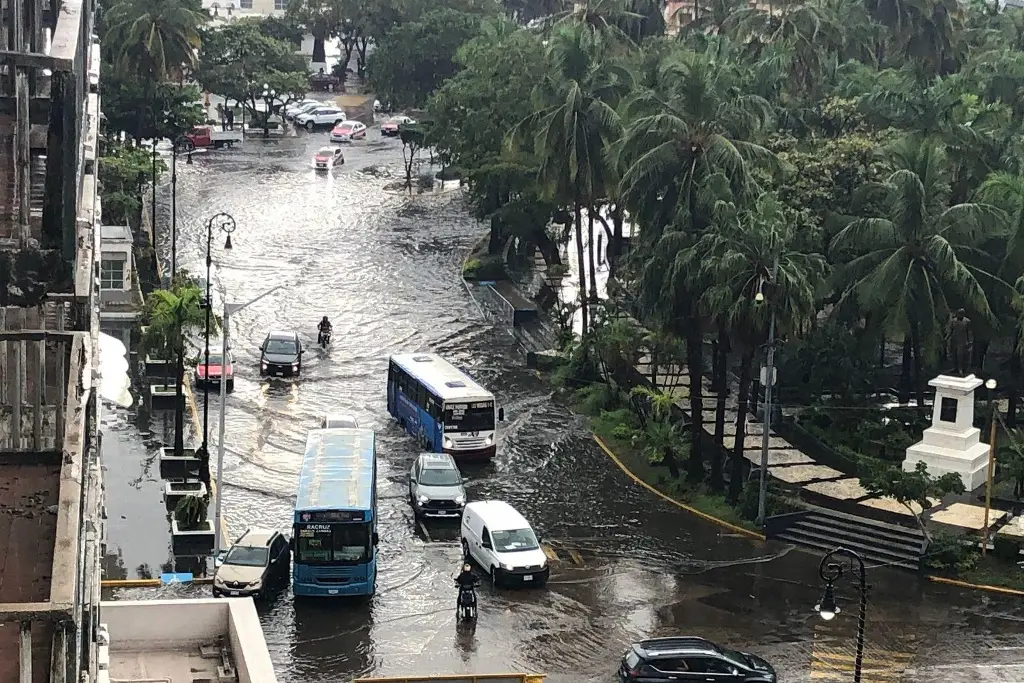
[331, 640]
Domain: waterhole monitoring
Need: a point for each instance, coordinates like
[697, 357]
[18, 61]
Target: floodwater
[385, 267]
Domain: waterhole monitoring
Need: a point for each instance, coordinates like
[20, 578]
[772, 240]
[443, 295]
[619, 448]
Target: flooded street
[384, 267]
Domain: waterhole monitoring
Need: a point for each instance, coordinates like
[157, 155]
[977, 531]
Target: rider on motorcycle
[324, 327]
[467, 579]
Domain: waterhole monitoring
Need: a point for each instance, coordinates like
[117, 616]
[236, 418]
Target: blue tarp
[337, 470]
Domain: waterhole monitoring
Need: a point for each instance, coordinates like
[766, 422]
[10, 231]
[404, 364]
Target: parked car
[435, 486]
[256, 564]
[390, 127]
[339, 422]
[327, 158]
[691, 659]
[320, 116]
[298, 107]
[281, 354]
[348, 131]
[501, 541]
[212, 372]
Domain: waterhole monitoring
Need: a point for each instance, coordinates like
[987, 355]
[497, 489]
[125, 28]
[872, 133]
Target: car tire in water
[310, 125]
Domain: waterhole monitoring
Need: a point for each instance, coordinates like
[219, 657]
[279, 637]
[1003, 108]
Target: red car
[213, 373]
[390, 127]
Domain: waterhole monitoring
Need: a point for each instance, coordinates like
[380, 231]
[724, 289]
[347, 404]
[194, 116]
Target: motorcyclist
[467, 580]
[324, 327]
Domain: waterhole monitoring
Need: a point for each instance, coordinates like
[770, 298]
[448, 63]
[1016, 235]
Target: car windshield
[245, 556]
[514, 540]
[281, 346]
[735, 657]
[440, 477]
[347, 126]
[395, 122]
[326, 152]
[215, 359]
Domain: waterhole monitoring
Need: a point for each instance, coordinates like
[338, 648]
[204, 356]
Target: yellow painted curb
[976, 586]
[703, 515]
[146, 583]
[197, 423]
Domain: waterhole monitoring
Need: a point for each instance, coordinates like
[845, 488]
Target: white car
[298, 107]
[348, 131]
[320, 116]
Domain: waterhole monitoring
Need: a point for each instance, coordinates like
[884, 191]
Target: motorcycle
[465, 609]
[324, 338]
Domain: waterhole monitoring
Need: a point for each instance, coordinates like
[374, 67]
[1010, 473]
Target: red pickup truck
[208, 136]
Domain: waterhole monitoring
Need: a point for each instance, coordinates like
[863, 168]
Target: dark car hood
[280, 358]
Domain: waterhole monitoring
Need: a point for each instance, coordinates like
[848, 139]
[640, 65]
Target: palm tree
[914, 261]
[174, 316]
[156, 39]
[753, 252]
[569, 132]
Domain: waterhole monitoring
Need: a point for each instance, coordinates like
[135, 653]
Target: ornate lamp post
[830, 570]
[181, 144]
[226, 224]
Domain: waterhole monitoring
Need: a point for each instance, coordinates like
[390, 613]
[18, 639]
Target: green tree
[415, 59]
[913, 490]
[146, 111]
[123, 172]
[173, 318]
[911, 262]
[319, 18]
[154, 39]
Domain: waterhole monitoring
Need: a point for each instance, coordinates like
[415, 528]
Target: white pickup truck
[208, 136]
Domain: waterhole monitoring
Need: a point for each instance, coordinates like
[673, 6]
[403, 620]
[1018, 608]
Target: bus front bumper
[485, 453]
[333, 590]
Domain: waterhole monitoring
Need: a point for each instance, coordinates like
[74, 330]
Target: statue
[959, 342]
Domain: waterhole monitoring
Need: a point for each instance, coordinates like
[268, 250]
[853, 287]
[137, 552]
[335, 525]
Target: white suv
[320, 116]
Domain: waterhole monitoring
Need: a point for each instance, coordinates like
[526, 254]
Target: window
[440, 477]
[247, 556]
[670, 664]
[515, 540]
[112, 274]
[280, 5]
[708, 665]
[245, 4]
[485, 538]
[947, 410]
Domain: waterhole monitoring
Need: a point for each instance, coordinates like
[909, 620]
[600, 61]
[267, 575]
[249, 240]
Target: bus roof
[337, 470]
[445, 380]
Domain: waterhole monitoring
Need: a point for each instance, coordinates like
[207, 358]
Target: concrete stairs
[877, 542]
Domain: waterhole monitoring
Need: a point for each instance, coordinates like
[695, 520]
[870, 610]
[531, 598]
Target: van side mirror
[376, 538]
[501, 414]
[487, 543]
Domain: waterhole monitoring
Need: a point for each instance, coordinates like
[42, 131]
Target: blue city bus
[442, 406]
[335, 525]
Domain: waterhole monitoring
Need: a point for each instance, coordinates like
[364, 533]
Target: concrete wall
[170, 624]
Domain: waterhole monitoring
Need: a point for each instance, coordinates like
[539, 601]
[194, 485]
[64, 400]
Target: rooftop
[184, 641]
[338, 470]
[118, 233]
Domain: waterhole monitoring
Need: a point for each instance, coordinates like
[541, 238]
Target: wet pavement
[385, 267]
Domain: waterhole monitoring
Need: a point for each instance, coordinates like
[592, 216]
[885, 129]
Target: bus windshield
[338, 543]
[472, 417]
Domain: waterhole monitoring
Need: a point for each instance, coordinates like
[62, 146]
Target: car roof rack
[677, 643]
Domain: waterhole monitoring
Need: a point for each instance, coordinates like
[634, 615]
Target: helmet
[467, 568]
[325, 319]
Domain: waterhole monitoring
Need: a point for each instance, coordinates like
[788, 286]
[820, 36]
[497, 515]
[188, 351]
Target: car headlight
[217, 581]
[448, 443]
[490, 439]
[460, 500]
[263, 364]
[504, 566]
[295, 366]
[256, 584]
[422, 499]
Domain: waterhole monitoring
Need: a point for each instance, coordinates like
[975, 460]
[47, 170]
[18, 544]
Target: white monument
[952, 443]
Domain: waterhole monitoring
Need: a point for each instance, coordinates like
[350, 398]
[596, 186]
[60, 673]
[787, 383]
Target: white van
[501, 541]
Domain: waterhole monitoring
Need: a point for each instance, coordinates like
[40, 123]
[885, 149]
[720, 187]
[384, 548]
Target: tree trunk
[722, 391]
[547, 246]
[591, 248]
[671, 462]
[494, 237]
[905, 371]
[361, 43]
[179, 405]
[694, 364]
[579, 264]
[1014, 389]
[347, 46]
[615, 243]
[915, 338]
[319, 53]
[736, 472]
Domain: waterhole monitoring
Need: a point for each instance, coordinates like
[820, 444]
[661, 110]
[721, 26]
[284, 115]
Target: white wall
[252, 660]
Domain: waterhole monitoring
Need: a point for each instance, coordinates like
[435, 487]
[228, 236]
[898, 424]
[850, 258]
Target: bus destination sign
[334, 516]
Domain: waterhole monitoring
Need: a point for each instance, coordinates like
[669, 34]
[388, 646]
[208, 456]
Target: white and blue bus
[442, 406]
[335, 532]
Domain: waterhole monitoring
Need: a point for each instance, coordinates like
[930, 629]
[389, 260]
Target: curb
[669, 499]
[462, 269]
[975, 586]
[149, 583]
[190, 399]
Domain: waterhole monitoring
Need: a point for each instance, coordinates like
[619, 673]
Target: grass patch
[992, 571]
[618, 431]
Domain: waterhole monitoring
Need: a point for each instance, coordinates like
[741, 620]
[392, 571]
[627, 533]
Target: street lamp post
[226, 224]
[181, 144]
[269, 97]
[831, 569]
[229, 310]
[769, 382]
[990, 385]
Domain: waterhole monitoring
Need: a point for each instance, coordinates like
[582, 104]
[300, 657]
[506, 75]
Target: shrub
[484, 268]
[1006, 549]
[596, 398]
[949, 554]
[776, 503]
[190, 512]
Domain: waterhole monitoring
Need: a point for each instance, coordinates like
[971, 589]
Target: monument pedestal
[952, 443]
